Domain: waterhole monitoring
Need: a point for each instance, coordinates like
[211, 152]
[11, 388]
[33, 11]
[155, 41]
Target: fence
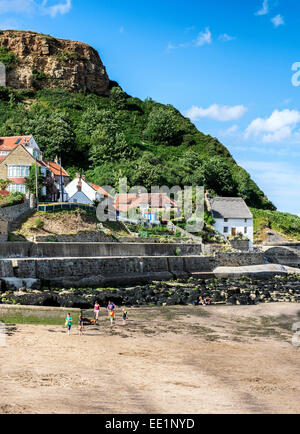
[52, 207]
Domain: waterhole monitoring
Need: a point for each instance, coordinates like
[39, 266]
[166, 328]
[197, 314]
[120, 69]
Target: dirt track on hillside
[235, 359]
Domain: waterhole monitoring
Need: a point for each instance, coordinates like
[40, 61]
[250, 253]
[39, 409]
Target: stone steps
[16, 224]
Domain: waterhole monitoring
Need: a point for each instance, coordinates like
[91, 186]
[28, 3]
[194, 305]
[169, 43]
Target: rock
[50, 63]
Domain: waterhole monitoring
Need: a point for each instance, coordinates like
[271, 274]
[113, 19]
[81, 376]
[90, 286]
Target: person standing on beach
[68, 322]
[111, 306]
[80, 325]
[96, 310]
[125, 316]
[111, 315]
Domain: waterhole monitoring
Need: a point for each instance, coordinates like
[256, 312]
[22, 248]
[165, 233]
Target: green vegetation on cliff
[120, 136]
[287, 225]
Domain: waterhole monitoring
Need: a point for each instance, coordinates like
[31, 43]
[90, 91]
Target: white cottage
[232, 216]
[82, 191]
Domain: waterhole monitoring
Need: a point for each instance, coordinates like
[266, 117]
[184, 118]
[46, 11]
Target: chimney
[77, 175]
[79, 185]
[207, 197]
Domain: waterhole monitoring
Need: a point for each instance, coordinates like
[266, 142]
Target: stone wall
[12, 213]
[49, 250]
[283, 255]
[81, 237]
[3, 230]
[81, 272]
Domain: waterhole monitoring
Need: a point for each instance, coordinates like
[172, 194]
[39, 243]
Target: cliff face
[36, 61]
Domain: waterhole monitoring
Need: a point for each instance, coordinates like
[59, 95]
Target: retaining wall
[61, 250]
[81, 272]
[11, 213]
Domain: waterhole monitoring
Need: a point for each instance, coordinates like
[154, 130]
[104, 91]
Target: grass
[14, 316]
[287, 225]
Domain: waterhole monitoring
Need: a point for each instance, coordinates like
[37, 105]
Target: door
[233, 232]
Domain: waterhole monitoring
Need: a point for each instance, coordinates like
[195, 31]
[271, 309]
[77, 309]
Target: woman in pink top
[96, 310]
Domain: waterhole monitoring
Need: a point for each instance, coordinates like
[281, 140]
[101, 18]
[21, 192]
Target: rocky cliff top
[37, 61]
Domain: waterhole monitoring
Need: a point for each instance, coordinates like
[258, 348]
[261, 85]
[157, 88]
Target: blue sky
[227, 64]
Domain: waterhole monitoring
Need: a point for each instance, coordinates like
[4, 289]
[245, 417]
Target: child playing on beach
[68, 322]
[111, 306]
[111, 316]
[125, 316]
[96, 310]
[80, 325]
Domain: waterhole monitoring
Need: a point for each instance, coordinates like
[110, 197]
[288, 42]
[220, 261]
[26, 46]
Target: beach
[184, 359]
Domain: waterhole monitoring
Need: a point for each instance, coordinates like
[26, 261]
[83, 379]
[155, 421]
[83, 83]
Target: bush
[11, 200]
[39, 223]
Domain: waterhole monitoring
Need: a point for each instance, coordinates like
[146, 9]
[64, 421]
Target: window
[245, 230]
[18, 171]
[225, 230]
[246, 220]
[13, 188]
[4, 153]
[225, 220]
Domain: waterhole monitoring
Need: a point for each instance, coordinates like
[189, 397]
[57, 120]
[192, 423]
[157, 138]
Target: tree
[30, 182]
[218, 176]
[53, 132]
[108, 145]
[149, 171]
[118, 98]
[162, 127]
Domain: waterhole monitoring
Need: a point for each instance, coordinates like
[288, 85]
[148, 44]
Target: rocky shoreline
[238, 291]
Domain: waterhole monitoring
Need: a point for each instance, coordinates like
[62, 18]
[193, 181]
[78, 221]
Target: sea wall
[70, 250]
[82, 272]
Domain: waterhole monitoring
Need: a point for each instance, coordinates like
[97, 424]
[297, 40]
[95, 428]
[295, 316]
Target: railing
[59, 206]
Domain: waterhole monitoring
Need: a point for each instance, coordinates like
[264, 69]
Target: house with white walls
[232, 216]
[82, 191]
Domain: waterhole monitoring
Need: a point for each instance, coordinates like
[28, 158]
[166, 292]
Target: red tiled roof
[4, 193]
[99, 189]
[55, 168]
[10, 143]
[124, 202]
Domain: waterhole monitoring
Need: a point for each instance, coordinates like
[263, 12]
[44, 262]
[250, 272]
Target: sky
[231, 66]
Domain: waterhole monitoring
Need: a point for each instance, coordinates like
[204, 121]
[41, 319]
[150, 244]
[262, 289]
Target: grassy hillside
[118, 136]
[287, 225]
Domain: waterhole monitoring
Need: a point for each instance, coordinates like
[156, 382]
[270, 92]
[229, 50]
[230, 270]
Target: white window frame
[18, 171]
[14, 188]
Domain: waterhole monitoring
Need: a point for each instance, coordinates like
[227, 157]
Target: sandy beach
[214, 359]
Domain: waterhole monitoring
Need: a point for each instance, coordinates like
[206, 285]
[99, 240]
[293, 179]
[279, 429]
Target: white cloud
[279, 126]
[218, 112]
[264, 9]
[278, 20]
[34, 6]
[229, 131]
[226, 38]
[16, 6]
[204, 38]
[60, 8]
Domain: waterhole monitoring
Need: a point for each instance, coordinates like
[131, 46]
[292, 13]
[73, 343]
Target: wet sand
[214, 359]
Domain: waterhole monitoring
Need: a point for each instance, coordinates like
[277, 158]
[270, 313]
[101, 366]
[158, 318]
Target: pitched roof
[55, 168]
[97, 188]
[230, 207]
[10, 143]
[133, 200]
